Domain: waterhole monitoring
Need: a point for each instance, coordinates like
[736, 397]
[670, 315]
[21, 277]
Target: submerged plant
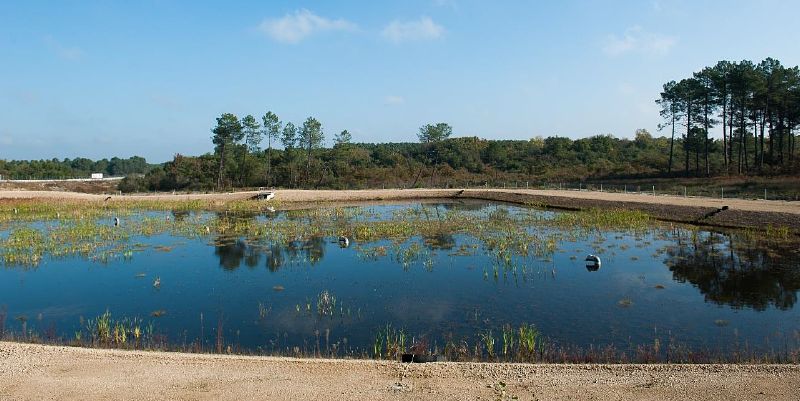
[326, 303]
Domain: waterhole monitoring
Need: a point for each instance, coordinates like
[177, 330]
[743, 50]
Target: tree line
[437, 159]
[72, 168]
[735, 118]
[756, 106]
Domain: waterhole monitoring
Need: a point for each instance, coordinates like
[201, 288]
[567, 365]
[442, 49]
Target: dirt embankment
[740, 213]
[36, 372]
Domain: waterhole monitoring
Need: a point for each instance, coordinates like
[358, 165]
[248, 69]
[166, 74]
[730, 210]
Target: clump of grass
[263, 311]
[489, 342]
[530, 342]
[326, 303]
[625, 303]
[389, 343]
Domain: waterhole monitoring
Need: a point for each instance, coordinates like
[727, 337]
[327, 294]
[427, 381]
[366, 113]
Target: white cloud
[69, 53]
[637, 40]
[422, 29]
[393, 100]
[6, 140]
[292, 28]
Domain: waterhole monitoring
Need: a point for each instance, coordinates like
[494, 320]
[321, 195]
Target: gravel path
[37, 372]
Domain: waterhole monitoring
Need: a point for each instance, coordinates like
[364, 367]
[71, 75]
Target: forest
[79, 167]
[731, 119]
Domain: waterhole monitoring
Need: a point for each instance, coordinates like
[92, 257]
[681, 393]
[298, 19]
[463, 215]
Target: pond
[472, 280]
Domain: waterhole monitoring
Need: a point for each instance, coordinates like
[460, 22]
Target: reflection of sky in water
[443, 293]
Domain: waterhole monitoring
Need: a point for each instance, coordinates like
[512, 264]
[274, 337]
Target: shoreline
[32, 371]
[741, 213]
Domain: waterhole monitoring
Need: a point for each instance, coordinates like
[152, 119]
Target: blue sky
[102, 79]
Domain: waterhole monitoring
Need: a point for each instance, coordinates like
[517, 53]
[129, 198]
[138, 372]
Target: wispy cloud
[637, 40]
[6, 140]
[421, 29]
[393, 100]
[294, 27]
[69, 53]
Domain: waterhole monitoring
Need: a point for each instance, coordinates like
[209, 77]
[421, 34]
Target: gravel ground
[38, 372]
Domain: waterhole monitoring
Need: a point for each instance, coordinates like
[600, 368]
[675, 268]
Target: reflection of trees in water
[233, 251]
[465, 206]
[439, 241]
[312, 250]
[180, 215]
[274, 258]
[736, 272]
[230, 252]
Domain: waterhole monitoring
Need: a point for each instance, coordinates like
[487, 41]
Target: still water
[255, 292]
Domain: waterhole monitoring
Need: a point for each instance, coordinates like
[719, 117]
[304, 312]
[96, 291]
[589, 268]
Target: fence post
[579, 187]
[654, 190]
[723, 192]
[625, 188]
[765, 194]
[684, 191]
[601, 187]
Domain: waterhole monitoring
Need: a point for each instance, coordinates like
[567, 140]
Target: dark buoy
[593, 263]
[344, 242]
[116, 221]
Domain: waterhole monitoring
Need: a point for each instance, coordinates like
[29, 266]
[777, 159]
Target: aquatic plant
[489, 343]
[326, 303]
[388, 343]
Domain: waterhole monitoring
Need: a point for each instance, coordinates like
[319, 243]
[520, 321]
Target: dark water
[716, 295]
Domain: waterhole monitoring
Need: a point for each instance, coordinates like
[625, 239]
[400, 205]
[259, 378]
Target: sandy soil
[36, 372]
[297, 195]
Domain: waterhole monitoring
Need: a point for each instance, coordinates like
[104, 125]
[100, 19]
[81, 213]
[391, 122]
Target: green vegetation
[72, 168]
[759, 108]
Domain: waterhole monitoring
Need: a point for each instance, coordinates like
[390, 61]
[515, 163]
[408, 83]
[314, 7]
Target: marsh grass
[523, 343]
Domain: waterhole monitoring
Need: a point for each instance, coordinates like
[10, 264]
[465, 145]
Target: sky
[148, 78]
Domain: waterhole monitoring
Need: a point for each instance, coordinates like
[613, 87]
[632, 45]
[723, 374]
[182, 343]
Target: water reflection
[735, 272]
[232, 252]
